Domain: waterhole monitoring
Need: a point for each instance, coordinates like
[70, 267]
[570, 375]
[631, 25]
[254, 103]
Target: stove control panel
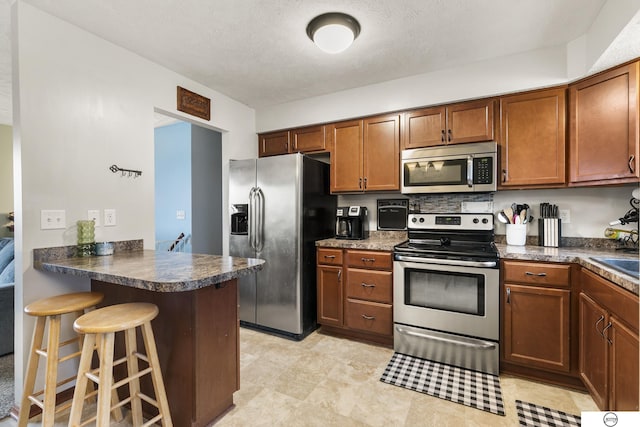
[458, 221]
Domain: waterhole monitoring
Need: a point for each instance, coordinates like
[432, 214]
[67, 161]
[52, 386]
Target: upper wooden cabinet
[308, 139]
[365, 154]
[272, 144]
[450, 124]
[603, 128]
[532, 139]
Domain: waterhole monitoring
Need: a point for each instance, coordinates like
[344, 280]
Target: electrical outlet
[94, 214]
[109, 217]
[52, 220]
[565, 216]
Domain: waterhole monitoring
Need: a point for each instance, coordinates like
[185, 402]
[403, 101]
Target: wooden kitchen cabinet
[532, 139]
[450, 124]
[309, 139]
[272, 144]
[365, 154]
[356, 298]
[609, 343]
[536, 309]
[603, 128]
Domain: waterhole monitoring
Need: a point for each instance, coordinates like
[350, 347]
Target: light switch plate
[109, 217]
[94, 214]
[180, 214]
[53, 219]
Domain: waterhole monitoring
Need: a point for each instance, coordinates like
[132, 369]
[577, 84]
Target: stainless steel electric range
[446, 291]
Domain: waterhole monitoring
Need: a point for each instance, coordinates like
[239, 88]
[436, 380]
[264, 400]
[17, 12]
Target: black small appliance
[352, 223]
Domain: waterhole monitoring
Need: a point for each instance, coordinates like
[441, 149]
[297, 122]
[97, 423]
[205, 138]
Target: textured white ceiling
[258, 53]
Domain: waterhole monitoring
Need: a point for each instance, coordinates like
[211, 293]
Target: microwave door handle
[470, 171]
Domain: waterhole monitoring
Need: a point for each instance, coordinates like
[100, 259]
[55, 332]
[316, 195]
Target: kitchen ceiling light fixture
[333, 32]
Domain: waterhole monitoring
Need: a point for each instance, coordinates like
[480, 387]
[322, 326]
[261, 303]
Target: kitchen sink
[624, 265]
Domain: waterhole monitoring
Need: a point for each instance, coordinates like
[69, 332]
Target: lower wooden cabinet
[609, 343]
[355, 293]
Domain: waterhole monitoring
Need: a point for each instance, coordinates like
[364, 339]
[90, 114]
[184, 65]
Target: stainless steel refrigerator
[280, 206]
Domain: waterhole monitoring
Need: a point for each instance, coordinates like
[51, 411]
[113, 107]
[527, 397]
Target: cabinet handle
[286, 146]
[605, 330]
[330, 256]
[528, 273]
[449, 135]
[365, 182]
[360, 183]
[366, 285]
[339, 274]
[600, 320]
[364, 316]
[442, 136]
[368, 259]
[631, 165]
[504, 175]
[508, 295]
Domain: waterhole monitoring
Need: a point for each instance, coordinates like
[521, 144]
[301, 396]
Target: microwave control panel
[483, 170]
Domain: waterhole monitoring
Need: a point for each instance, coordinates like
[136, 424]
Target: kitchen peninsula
[197, 330]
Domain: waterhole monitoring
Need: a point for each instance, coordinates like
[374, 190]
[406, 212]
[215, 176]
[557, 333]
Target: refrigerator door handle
[259, 239]
[252, 216]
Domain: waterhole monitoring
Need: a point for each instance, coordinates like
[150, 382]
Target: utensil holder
[516, 234]
[549, 232]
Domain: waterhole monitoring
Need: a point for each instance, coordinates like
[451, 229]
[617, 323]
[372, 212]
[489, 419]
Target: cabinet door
[346, 156]
[308, 139]
[603, 128]
[271, 144]
[424, 128]
[382, 153]
[536, 326]
[532, 138]
[593, 350]
[470, 122]
[330, 310]
[624, 373]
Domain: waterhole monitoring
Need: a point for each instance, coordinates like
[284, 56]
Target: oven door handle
[439, 261]
[467, 342]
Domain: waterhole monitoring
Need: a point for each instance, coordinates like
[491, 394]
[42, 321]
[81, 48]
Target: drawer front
[368, 316]
[369, 259]
[370, 285]
[537, 273]
[329, 256]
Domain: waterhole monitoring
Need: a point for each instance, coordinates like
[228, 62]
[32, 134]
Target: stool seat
[63, 304]
[116, 318]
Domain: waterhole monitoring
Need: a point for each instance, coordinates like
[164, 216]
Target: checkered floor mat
[539, 416]
[470, 388]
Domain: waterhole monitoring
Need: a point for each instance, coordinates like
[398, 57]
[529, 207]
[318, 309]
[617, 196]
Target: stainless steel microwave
[458, 168]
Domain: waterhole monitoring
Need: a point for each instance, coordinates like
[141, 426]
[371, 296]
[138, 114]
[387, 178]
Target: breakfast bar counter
[197, 329]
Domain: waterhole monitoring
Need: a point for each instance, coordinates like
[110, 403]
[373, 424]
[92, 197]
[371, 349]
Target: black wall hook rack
[125, 172]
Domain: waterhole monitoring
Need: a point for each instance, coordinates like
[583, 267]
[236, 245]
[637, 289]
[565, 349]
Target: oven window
[443, 172]
[448, 291]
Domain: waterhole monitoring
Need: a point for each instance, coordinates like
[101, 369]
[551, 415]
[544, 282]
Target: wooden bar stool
[100, 326]
[51, 309]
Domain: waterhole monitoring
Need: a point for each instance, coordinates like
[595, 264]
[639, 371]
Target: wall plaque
[194, 104]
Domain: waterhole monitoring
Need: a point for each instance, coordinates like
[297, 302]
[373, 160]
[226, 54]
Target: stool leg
[81, 380]
[106, 379]
[156, 374]
[134, 384]
[32, 370]
[117, 412]
[51, 377]
[90, 385]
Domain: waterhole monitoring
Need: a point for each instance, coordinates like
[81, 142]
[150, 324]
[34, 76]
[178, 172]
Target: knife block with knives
[549, 226]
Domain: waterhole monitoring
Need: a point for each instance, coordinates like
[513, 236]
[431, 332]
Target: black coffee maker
[352, 223]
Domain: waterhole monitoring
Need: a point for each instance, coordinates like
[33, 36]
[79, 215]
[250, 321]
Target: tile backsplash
[445, 203]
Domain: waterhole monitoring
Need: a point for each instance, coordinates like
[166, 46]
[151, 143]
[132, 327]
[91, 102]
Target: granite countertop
[377, 241]
[581, 256]
[157, 271]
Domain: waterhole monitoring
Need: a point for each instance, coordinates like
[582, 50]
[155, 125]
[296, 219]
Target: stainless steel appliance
[352, 223]
[392, 214]
[289, 208]
[458, 168]
[446, 291]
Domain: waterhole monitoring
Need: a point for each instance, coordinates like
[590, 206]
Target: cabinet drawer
[370, 285]
[368, 316]
[329, 256]
[369, 259]
[537, 273]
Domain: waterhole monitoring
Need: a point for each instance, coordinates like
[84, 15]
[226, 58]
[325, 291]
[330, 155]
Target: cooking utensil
[503, 218]
[509, 214]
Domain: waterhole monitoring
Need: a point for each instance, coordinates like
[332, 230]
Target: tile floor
[329, 381]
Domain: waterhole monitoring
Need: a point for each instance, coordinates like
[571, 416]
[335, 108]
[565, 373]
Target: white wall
[82, 104]
[6, 178]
